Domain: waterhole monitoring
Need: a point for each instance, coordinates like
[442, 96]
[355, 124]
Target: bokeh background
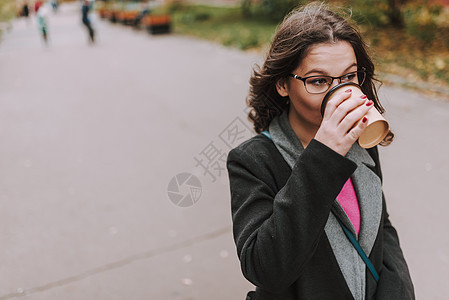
[112, 150]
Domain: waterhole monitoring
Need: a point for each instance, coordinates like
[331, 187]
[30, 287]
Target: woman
[295, 186]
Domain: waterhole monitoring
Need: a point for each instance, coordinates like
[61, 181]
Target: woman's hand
[344, 121]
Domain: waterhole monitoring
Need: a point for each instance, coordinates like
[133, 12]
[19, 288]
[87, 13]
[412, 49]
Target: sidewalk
[91, 137]
[96, 140]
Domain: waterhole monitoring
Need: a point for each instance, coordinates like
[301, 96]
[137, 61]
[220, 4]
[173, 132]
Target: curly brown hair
[309, 25]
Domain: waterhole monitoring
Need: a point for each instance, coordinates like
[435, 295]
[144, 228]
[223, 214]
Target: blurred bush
[274, 10]
[424, 21]
[371, 13]
[8, 9]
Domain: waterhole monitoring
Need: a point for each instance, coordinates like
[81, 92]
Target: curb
[434, 90]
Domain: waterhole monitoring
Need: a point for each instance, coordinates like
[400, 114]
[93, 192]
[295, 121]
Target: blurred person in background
[42, 21]
[37, 5]
[309, 215]
[85, 8]
[54, 5]
[144, 10]
[25, 12]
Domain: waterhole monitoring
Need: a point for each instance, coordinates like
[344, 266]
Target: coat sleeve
[276, 231]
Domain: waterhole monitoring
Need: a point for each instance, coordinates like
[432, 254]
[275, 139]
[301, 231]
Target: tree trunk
[395, 12]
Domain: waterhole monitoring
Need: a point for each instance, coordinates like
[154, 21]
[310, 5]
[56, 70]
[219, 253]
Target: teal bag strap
[267, 134]
[359, 250]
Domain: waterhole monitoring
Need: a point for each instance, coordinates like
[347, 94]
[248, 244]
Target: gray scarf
[369, 193]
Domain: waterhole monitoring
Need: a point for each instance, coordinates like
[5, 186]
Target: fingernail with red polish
[348, 91]
[364, 119]
[363, 96]
[369, 103]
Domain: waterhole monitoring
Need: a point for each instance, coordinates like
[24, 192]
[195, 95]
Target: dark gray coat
[279, 218]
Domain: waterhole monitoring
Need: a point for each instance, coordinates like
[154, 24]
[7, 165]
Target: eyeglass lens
[320, 84]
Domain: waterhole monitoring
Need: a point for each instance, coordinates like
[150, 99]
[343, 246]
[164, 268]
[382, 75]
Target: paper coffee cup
[377, 127]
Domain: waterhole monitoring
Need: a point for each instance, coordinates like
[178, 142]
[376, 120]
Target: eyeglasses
[321, 84]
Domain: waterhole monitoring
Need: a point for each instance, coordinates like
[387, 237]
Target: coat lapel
[368, 188]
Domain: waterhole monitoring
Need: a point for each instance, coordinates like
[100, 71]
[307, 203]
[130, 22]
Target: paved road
[92, 137]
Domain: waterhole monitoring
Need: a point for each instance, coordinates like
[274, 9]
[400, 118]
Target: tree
[394, 12]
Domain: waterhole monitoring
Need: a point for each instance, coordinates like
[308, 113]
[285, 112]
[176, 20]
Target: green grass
[224, 25]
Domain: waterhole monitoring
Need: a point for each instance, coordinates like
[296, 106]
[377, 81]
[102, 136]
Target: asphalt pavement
[112, 166]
